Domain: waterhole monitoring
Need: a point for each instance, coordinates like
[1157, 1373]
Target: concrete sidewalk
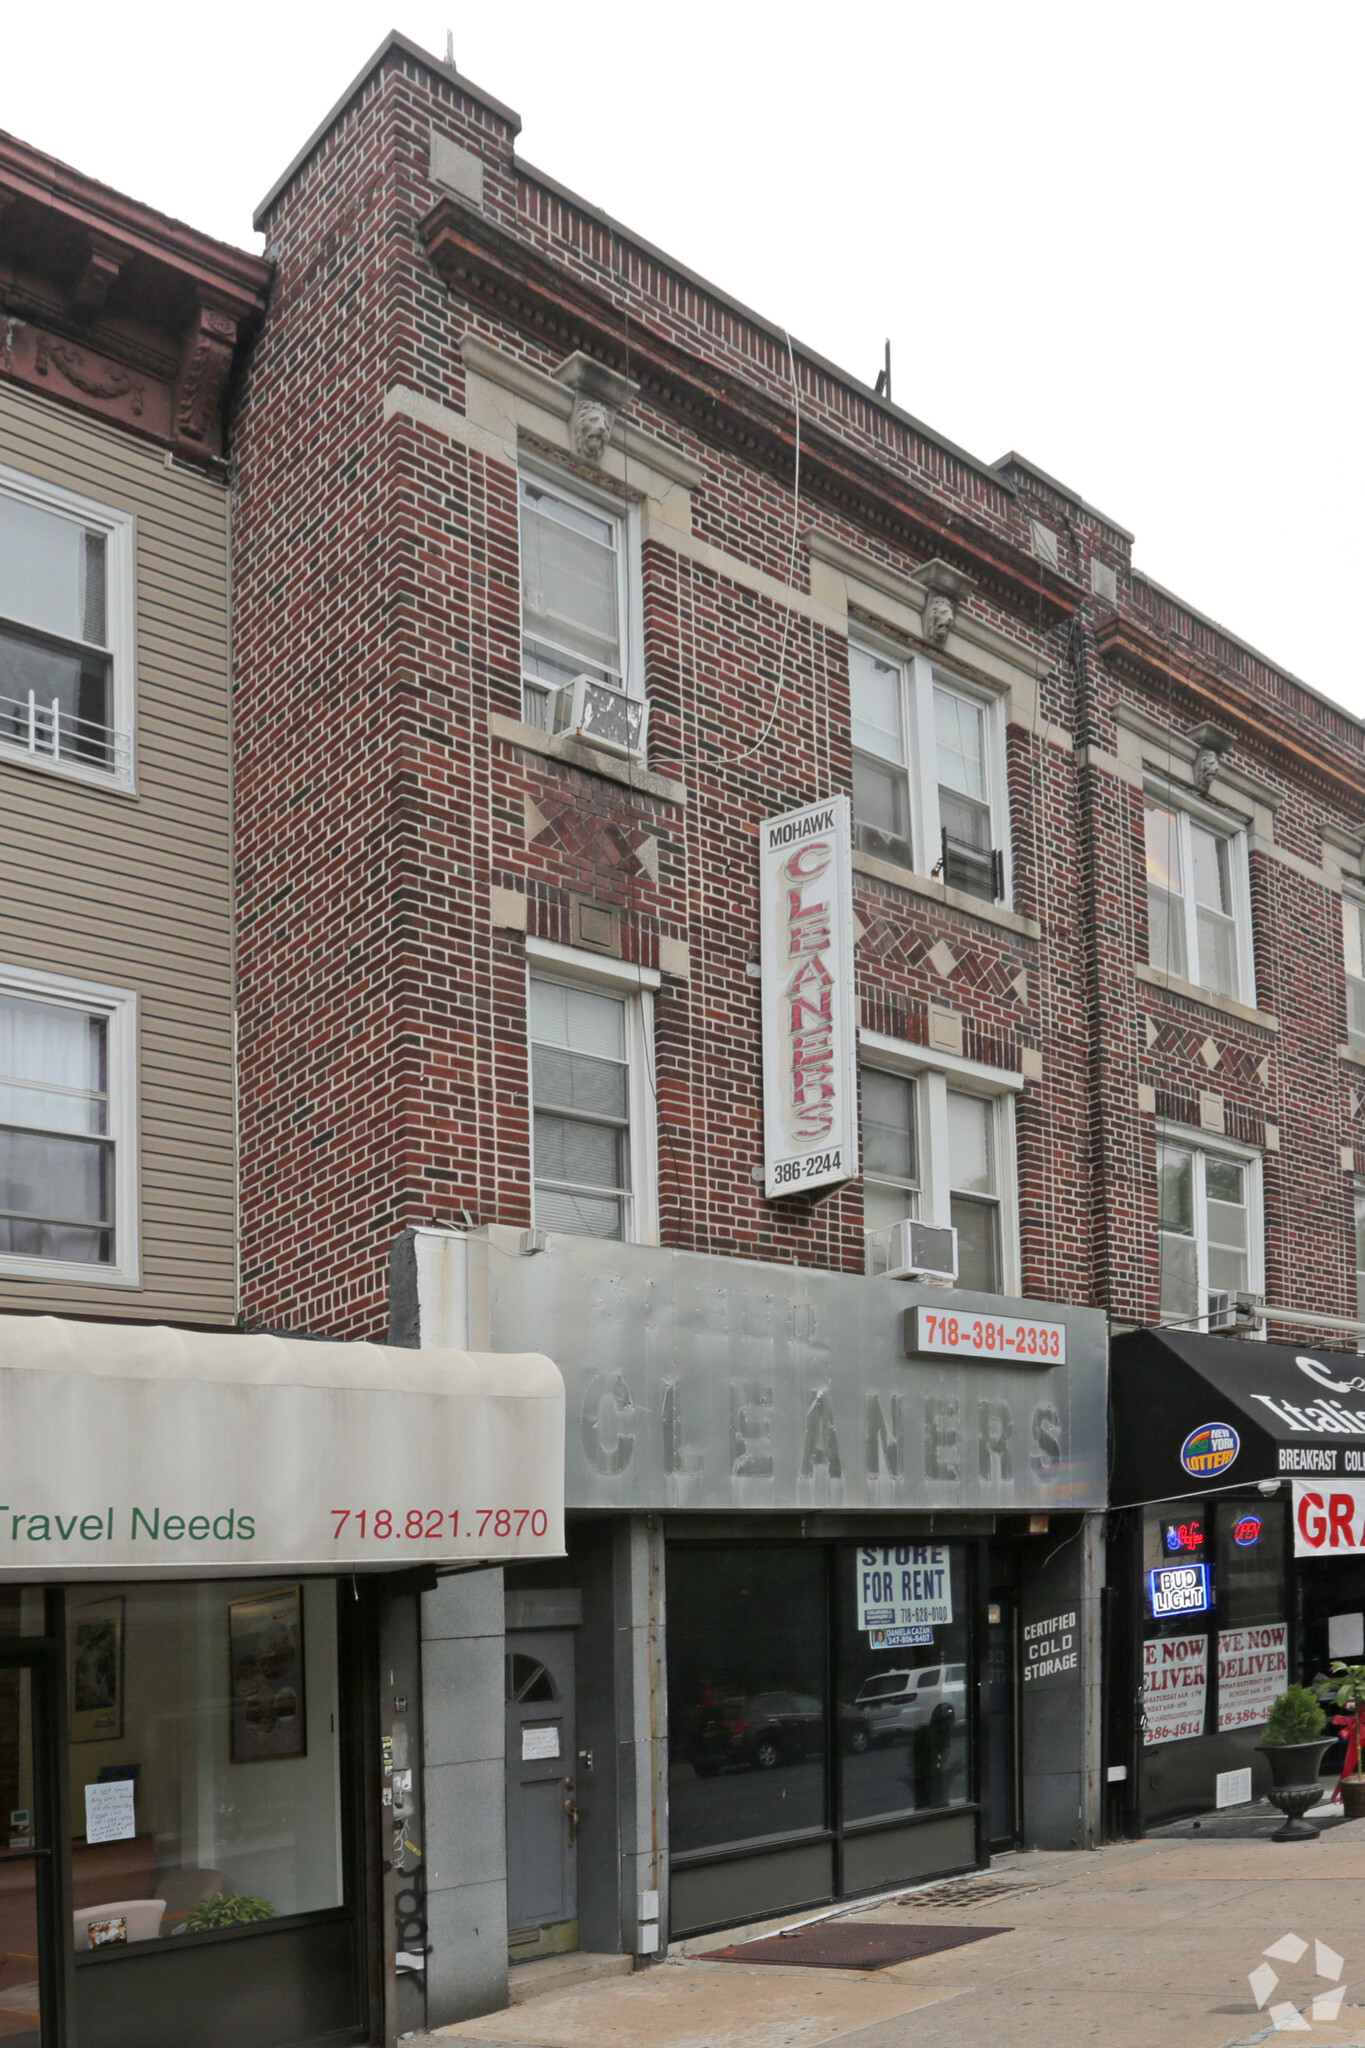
[1146, 1945]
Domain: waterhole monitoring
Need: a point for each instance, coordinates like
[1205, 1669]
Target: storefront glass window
[754, 1749]
[747, 1676]
[904, 1711]
[203, 1756]
[23, 1611]
[20, 1985]
[1252, 1562]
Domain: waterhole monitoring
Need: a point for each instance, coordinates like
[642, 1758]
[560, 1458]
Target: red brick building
[557, 573]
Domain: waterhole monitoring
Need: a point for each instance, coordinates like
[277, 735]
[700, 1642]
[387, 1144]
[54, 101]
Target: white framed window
[928, 771]
[68, 1129]
[1360, 1258]
[1353, 943]
[1198, 898]
[890, 1144]
[1210, 1228]
[66, 631]
[938, 1146]
[592, 1104]
[579, 614]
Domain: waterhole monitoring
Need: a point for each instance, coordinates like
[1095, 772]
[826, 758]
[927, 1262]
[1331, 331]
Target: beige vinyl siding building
[131, 887]
[117, 1091]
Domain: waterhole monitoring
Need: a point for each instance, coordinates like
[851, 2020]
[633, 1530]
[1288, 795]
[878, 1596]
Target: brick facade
[400, 835]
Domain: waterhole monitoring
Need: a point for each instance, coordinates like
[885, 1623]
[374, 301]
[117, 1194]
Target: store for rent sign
[903, 1586]
[1175, 1680]
[810, 1082]
[1329, 1518]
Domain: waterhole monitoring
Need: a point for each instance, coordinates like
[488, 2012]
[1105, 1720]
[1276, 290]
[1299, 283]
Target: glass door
[1002, 1733]
[28, 1990]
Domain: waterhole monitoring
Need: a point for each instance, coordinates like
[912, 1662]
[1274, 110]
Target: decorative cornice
[115, 310]
[1142, 657]
[520, 284]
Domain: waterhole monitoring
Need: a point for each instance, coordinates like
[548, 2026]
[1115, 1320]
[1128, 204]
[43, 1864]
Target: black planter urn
[1294, 1767]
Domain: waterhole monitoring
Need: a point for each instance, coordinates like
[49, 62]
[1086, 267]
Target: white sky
[1124, 241]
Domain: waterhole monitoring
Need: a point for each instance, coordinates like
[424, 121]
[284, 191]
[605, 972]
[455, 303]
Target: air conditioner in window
[977, 870]
[1231, 1314]
[605, 717]
[913, 1251]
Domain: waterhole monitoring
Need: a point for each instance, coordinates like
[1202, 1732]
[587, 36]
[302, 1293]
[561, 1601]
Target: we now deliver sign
[1329, 1517]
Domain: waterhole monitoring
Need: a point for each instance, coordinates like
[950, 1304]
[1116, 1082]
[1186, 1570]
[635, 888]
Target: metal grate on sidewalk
[964, 1891]
[835, 1945]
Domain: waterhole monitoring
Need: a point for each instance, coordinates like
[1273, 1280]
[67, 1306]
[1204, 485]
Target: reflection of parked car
[767, 1729]
[898, 1702]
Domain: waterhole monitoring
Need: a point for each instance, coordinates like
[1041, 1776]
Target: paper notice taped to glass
[538, 1742]
[109, 1812]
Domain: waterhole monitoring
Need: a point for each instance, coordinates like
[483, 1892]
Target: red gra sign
[1328, 1518]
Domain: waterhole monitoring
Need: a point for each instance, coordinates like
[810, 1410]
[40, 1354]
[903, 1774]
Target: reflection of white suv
[898, 1702]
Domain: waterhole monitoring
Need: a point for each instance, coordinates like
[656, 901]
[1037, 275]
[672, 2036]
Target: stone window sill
[956, 899]
[1210, 999]
[557, 747]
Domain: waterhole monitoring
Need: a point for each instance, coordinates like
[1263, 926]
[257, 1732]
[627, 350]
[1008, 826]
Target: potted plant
[1345, 1690]
[1294, 1742]
[224, 1909]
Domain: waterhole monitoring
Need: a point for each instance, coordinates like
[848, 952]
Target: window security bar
[978, 870]
[58, 735]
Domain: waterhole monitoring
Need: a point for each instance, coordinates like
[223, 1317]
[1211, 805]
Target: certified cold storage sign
[903, 1586]
[810, 1082]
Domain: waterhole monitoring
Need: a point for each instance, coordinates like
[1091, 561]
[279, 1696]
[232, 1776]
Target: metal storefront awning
[130, 1449]
[1192, 1414]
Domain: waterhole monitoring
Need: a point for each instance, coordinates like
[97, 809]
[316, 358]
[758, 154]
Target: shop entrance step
[562, 1973]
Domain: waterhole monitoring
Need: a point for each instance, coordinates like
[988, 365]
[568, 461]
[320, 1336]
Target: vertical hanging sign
[810, 1075]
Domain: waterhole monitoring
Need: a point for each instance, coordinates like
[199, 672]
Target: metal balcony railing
[49, 732]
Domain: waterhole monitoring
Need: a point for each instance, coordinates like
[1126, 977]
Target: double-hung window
[1360, 1259]
[66, 1139]
[575, 594]
[1198, 903]
[1353, 936]
[587, 1113]
[928, 772]
[890, 1132]
[941, 1153]
[65, 638]
[1209, 1204]
[974, 1189]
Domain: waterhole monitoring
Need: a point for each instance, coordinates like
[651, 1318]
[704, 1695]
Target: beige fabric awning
[175, 1451]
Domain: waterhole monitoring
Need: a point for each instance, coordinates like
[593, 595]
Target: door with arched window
[542, 1794]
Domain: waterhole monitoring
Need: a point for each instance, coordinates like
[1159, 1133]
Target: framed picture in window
[96, 1667]
[265, 1669]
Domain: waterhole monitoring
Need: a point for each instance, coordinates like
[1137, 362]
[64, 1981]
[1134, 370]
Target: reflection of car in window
[898, 1702]
[766, 1729]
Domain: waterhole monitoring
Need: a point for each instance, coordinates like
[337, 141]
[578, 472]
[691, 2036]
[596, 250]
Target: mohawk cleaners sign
[810, 1083]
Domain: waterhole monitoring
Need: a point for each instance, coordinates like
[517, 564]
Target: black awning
[1192, 1413]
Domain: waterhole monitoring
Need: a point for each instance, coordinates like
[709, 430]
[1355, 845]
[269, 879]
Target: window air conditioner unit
[586, 709]
[913, 1251]
[977, 870]
[1230, 1315]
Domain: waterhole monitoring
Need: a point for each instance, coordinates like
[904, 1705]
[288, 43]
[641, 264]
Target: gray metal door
[542, 1803]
